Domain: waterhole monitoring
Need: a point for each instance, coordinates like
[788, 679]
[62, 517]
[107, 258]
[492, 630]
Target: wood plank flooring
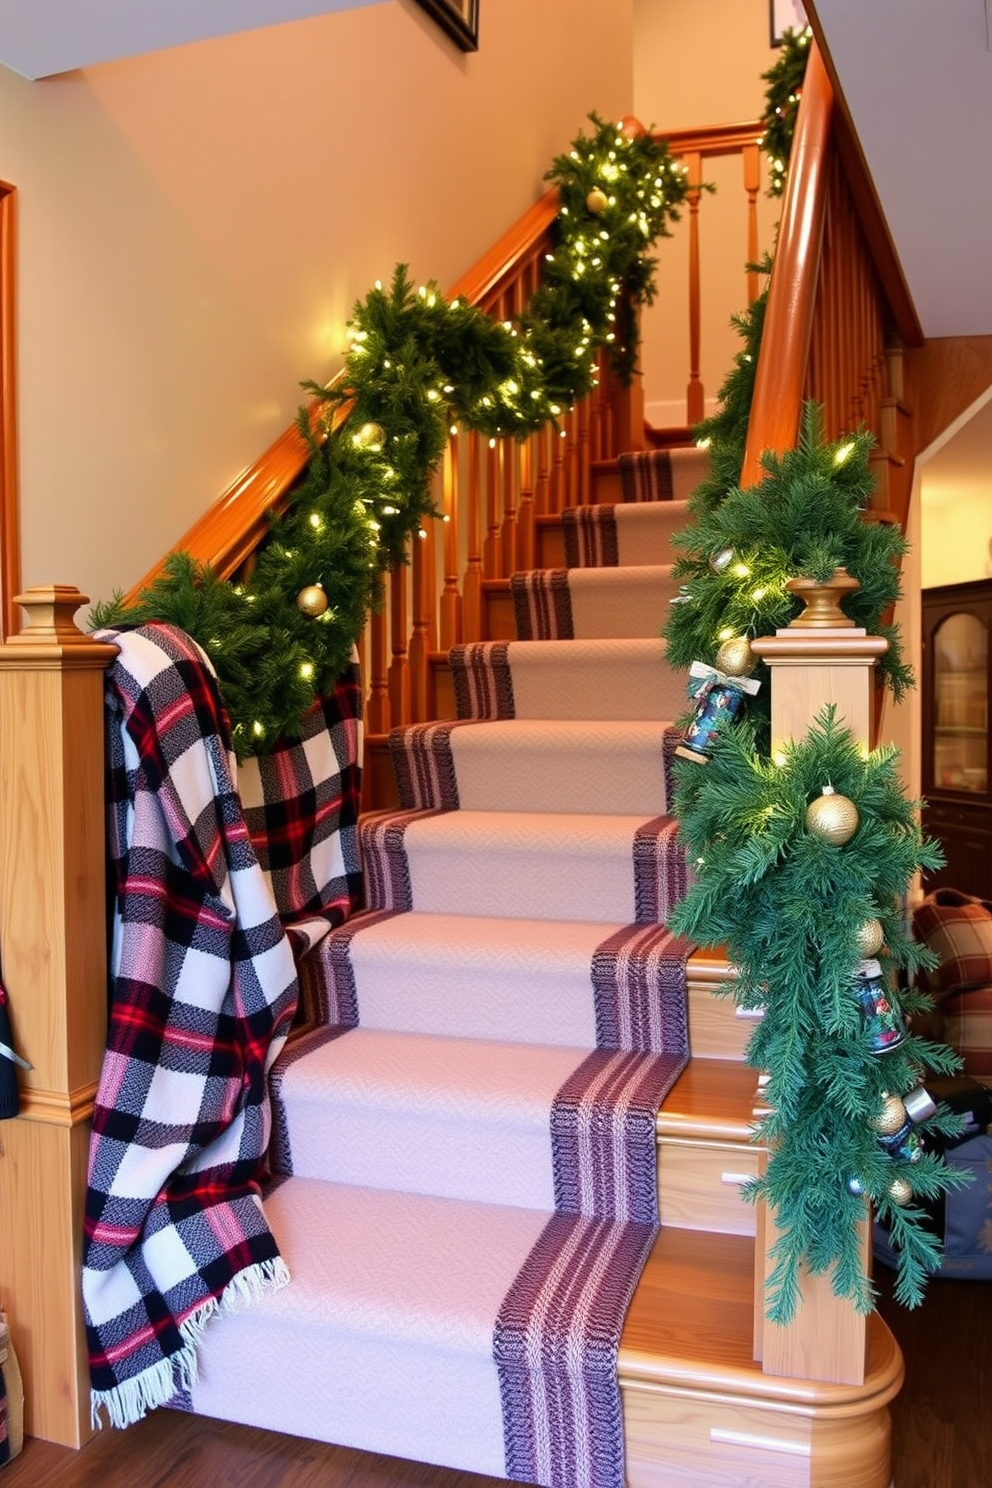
[942, 1426]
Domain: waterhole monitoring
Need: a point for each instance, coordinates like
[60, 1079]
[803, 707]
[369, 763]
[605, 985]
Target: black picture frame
[783, 15]
[459, 18]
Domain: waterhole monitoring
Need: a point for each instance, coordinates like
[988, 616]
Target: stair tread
[690, 1326]
[711, 1099]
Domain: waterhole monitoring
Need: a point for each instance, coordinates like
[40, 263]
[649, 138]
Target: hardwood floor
[941, 1426]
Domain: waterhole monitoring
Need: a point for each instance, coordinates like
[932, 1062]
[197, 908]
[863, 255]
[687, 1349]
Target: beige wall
[195, 226]
[696, 65]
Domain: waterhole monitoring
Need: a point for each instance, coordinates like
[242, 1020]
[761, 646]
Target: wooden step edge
[690, 1329]
[708, 967]
[712, 1099]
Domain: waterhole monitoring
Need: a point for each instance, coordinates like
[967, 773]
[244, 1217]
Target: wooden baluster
[751, 161]
[53, 934]
[525, 511]
[472, 582]
[559, 459]
[570, 494]
[542, 485]
[377, 713]
[421, 586]
[694, 394]
[450, 617]
[583, 457]
[491, 552]
[399, 666]
[508, 503]
[607, 449]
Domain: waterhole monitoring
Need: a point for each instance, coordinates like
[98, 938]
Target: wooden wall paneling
[10, 521]
[53, 934]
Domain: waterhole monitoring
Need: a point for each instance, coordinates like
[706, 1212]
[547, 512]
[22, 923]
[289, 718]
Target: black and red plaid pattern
[204, 987]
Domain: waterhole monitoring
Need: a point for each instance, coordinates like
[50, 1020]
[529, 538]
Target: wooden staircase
[710, 1396]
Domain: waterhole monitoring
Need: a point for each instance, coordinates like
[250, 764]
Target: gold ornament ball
[632, 128]
[370, 436]
[891, 1118]
[597, 201]
[870, 939]
[900, 1192]
[312, 600]
[832, 817]
[735, 657]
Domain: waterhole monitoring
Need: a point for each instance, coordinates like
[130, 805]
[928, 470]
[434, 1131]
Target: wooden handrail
[780, 378]
[716, 139]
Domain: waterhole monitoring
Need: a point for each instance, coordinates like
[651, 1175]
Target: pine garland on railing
[417, 364]
[785, 87]
[806, 517]
[801, 866]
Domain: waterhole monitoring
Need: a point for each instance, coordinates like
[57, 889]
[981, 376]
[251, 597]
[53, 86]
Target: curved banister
[780, 377]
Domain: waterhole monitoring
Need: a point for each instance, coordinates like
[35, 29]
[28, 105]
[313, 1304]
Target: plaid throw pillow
[958, 927]
[968, 1029]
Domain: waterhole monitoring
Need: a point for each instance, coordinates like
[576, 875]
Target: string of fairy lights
[419, 367]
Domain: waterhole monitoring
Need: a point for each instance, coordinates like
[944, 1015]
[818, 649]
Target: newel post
[821, 658]
[53, 948]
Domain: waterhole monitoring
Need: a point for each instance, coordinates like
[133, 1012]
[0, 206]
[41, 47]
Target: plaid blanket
[203, 991]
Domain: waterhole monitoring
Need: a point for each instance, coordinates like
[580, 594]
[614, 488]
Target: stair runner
[465, 1144]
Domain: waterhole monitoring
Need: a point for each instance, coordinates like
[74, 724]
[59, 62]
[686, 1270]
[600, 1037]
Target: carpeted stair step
[457, 1118]
[595, 679]
[540, 865]
[591, 603]
[612, 535]
[589, 765]
[663, 474]
[651, 475]
[384, 1339]
[557, 982]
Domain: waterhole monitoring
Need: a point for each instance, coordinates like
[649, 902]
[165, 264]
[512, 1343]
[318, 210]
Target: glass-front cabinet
[956, 774]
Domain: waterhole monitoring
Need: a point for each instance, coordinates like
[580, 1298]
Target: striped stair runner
[466, 1141]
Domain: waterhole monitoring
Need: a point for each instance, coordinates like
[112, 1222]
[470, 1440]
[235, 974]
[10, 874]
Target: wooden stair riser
[685, 1439]
[700, 1182]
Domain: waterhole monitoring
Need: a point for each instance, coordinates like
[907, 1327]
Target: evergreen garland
[804, 518]
[417, 363]
[790, 904]
[785, 86]
[724, 433]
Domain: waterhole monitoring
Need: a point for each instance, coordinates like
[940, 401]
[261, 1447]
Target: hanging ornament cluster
[719, 698]
[745, 545]
[807, 903]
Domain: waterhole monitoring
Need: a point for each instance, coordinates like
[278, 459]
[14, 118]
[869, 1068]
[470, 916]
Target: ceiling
[42, 37]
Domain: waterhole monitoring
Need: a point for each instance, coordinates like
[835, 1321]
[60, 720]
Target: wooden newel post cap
[51, 609]
[822, 601]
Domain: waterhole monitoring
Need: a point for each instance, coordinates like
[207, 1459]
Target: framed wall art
[786, 15]
[459, 18]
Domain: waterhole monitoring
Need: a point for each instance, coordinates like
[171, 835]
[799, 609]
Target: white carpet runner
[467, 1141]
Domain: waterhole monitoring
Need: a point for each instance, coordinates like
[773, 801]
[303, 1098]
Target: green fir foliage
[785, 86]
[806, 517]
[416, 364]
[788, 904]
